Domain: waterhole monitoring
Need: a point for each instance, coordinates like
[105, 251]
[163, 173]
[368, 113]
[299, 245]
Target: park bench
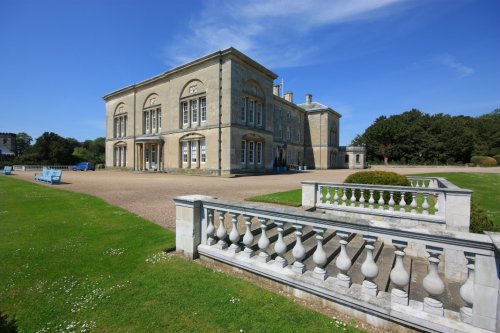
[7, 170]
[51, 176]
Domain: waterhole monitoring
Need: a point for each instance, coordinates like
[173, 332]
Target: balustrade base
[280, 262]
[370, 288]
[343, 280]
[433, 306]
[234, 248]
[466, 314]
[298, 267]
[399, 296]
[263, 257]
[320, 273]
[221, 245]
[211, 241]
[247, 253]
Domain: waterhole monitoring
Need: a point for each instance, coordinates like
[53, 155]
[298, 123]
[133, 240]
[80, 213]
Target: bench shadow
[7, 325]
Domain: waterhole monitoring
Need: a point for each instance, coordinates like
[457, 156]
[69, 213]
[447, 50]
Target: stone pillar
[143, 163]
[198, 154]
[189, 216]
[457, 210]
[189, 153]
[485, 311]
[309, 193]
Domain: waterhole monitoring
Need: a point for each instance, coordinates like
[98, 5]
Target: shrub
[479, 220]
[484, 161]
[379, 178]
[99, 166]
[497, 158]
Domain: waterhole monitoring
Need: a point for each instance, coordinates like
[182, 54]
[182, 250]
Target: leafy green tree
[50, 148]
[91, 151]
[23, 142]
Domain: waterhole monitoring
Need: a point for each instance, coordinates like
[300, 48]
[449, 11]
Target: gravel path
[150, 194]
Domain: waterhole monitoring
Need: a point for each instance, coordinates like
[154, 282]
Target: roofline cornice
[228, 51]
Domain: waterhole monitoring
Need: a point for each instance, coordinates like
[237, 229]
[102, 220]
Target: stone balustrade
[358, 265]
[429, 200]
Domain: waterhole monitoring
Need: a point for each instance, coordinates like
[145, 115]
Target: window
[243, 151]
[193, 152]
[298, 136]
[289, 115]
[153, 121]
[347, 158]
[153, 153]
[280, 131]
[203, 151]
[251, 112]
[184, 152]
[159, 118]
[288, 133]
[288, 157]
[259, 114]
[259, 152]
[146, 115]
[357, 158]
[203, 106]
[244, 110]
[251, 151]
[185, 113]
[194, 111]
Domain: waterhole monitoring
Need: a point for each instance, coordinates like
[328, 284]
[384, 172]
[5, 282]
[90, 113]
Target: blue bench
[7, 170]
[51, 176]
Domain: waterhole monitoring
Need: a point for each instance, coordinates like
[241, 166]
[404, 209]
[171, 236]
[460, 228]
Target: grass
[74, 263]
[485, 186]
[288, 198]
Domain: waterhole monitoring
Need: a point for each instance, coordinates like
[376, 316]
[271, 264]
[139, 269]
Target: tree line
[51, 149]
[414, 137]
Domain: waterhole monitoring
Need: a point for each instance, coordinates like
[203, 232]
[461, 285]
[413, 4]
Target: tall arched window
[120, 122]
[252, 105]
[151, 115]
[193, 105]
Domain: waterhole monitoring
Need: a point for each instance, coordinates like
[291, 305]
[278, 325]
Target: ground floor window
[203, 151]
[357, 158]
[251, 151]
[243, 151]
[259, 152]
[184, 152]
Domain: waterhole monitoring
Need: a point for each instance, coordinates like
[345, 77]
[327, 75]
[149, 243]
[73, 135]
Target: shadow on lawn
[7, 325]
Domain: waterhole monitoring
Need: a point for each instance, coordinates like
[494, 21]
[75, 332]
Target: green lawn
[485, 186]
[74, 263]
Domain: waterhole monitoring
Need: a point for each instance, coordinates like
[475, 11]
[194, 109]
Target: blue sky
[364, 58]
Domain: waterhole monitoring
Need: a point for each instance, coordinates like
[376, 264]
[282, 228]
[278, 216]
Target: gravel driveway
[150, 194]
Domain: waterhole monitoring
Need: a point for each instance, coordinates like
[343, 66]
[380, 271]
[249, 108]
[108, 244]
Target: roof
[195, 62]
[5, 151]
[315, 106]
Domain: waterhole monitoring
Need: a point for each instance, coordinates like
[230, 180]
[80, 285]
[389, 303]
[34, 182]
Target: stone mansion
[220, 115]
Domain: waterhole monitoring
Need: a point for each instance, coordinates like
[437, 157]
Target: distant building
[8, 146]
[220, 114]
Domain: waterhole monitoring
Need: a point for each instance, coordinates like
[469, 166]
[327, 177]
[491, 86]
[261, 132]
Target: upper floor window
[298, 136]
[193, 111]
[259, 114]
[289, 115]
[244, 102]
[152, 120]
[252, 111]
[203, 107]
[280, 131]
[120, 122]
[288, 133]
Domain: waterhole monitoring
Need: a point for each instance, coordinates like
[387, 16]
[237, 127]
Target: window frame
[259, 152]
[251, 152]
[203, 151]
[203, 109]
[243, 155]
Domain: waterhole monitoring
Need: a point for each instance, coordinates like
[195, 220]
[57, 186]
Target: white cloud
[280, 33]
[459, 68]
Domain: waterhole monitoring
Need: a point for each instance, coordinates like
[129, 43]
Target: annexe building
[220, 114]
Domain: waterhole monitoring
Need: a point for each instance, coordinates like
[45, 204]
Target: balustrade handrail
[447, 239]
[392, 187]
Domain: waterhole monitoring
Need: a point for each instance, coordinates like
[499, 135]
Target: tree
[23, 142]
[92, 151]
[51, 149]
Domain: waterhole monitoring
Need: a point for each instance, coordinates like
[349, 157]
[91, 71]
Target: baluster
[362, 199]
[328, 196]
[336, 197]
[436, 205]
[418, 183]
[299, 252]
[210, 227]
[402, 203]
[432, 283]
[343, 262]
[320, 194]
[344, 197]
[425, 205]
[467, 289]
[353, 198]
[248, 237]
[391, 202]
[371, 201]
[369, 268]
[221, 232]
[381, 201]
[399, 276]
[263, 242]
[412, 183]
[413, 204]
[234, 235]
[319, 256]
[280, 247]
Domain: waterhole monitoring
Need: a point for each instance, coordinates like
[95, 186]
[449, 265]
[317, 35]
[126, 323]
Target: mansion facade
[220, 115]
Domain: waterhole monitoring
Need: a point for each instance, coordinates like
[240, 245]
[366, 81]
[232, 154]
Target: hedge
[379, 178]
[484, 161]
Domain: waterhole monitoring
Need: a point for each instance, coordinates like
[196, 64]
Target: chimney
[288, 96]
[276, 90]
[309, 98]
